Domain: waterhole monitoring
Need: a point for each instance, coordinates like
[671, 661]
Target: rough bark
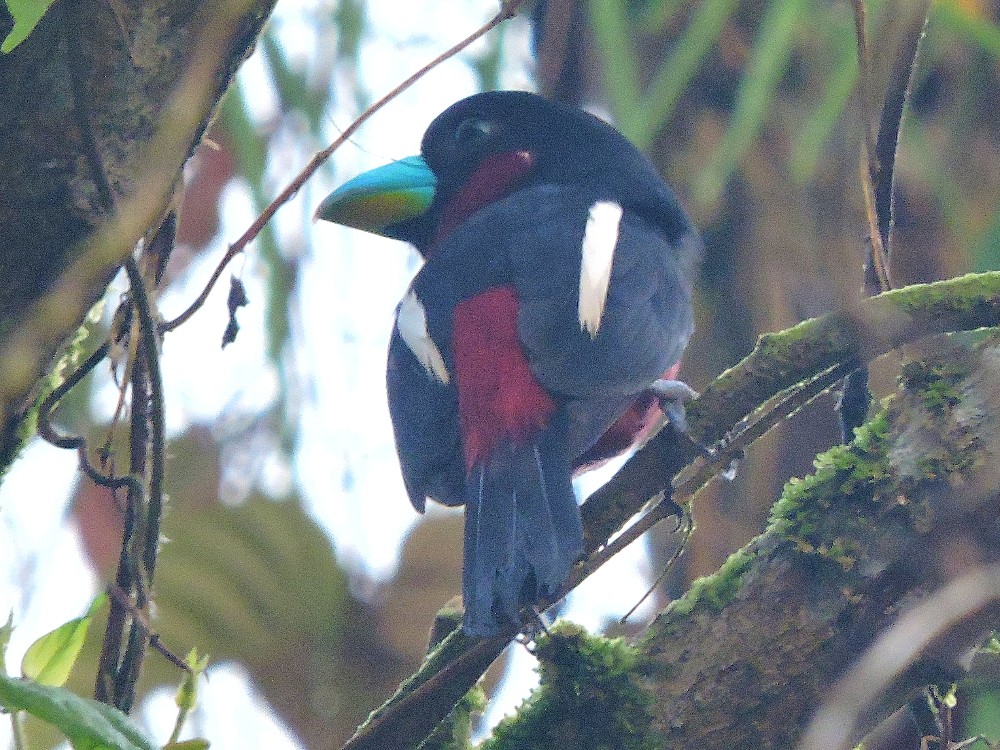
[89, 121]
[845, 541]
[747, 657]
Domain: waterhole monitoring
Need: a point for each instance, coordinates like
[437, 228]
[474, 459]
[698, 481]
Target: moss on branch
[747, 655]
[873, 327]
[771, 612]
[588, 698]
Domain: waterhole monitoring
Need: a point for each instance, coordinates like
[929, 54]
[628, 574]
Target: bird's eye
[471, 131]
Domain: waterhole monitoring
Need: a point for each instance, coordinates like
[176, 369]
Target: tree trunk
[99, 108]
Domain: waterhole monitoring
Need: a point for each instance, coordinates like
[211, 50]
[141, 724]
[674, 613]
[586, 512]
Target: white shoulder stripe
[411, 320]
[599, 241]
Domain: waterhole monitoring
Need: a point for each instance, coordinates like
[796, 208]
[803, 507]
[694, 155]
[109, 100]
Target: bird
[538, 337]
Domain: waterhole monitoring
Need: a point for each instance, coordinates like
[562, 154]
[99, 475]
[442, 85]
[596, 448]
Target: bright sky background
[351, 283]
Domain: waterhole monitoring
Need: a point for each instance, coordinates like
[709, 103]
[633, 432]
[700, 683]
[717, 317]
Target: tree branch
[58, 243]
[847, 551]
[864, 546]
[780, 366]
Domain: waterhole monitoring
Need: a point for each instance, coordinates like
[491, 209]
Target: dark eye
[471, 131]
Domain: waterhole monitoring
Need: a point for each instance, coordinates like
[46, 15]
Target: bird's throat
[496, 177]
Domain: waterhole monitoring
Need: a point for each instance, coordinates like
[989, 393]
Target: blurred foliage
[257, 584]
[981, 709]
[749, 107]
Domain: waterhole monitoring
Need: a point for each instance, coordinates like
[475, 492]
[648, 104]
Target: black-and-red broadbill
[556, 289]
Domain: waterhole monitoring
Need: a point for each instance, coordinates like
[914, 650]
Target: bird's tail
[522, 530]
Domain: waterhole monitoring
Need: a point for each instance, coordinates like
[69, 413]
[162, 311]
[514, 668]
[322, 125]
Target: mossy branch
[750, 653]
[870, 329]
[779, 367]
[770, 374]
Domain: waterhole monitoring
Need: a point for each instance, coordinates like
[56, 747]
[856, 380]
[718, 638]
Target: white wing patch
[599, 241]
[412, 323]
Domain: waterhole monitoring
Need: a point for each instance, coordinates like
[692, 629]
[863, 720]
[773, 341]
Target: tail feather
[489, 544]
[522, 532]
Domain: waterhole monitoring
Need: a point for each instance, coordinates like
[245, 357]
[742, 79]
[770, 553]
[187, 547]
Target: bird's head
[484, 148]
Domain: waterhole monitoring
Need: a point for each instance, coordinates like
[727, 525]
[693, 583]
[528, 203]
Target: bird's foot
[729, 473]
[673, 396]
[532, 626]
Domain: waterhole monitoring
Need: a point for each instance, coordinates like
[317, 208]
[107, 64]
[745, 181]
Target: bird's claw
[673, 396]
[533, 625]
[729, 473]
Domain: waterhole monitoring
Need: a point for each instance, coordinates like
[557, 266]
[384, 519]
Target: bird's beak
[382, 197]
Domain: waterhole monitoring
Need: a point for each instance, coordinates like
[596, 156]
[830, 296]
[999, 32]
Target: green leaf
[50, 659]
[187, 695]
[5, 632]
[676, 73]
[609, 20]
[187, 692]
[26, 14]
[768, 61]
[991, 646]
[87, 724]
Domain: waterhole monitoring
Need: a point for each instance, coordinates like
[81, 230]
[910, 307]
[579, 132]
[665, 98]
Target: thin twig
[897, 99]
[664, 508]
[49, 403]
[685, 526]
[507, 10]
[877, 279]
[118, 671]
[149, 343]
[148, 458]
[872, 169]
[878, 181]
[106, 684]
[117, 594]
[74, 442]
[123, 317]
[702, 470]
[109, 437]
[867, 84]
[122, 627]
[19, 736]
